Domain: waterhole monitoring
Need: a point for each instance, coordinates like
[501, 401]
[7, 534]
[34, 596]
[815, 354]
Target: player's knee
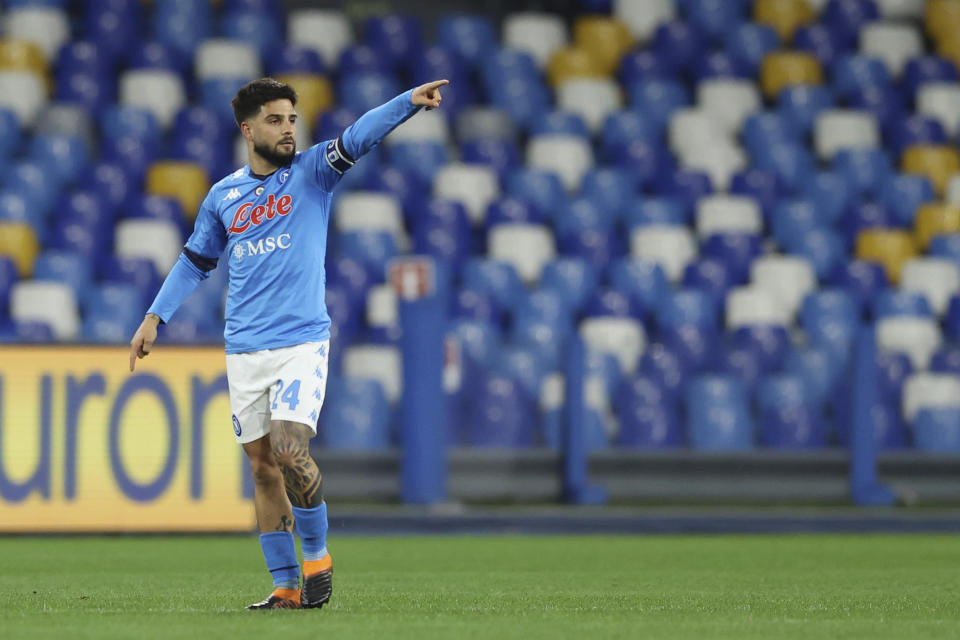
[265, 470]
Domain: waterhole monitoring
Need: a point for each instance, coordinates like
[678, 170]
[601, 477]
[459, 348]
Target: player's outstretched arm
[143, 339]
[428, 95]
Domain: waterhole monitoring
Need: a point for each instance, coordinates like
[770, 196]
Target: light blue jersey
[272, 233]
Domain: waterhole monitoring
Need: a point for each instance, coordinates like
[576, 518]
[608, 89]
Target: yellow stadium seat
[890, 247]
[314, 94]
[22, 55]
[937, 162]
[19, 243]
[572, 62]
[785, 68]
[784, 16]
[185, 182]
[604, 39]
[934, 219]
[942, 19]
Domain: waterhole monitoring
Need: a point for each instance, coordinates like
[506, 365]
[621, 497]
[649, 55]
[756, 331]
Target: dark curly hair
[257, 93]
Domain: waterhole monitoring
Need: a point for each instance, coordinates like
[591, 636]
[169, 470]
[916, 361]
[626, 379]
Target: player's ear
[245, 130]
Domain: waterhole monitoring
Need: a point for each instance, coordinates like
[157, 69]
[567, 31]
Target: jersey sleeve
[333, 157]
[209, 237]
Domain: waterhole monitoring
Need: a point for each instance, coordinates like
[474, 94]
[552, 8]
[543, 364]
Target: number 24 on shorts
[291, 396]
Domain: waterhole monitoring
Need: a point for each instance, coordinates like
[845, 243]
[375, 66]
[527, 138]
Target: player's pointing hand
[428, 95]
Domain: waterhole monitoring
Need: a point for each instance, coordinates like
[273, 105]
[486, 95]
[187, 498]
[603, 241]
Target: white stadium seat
[901, 9]
[475, 186]
[570, 157]
[941, 101]
[480, 123]
[752, 306]
[47, 27]
[382, 306]
[325, 31]
[428, 126]
[643, 17]
[719, 161]
[729, 101]
[66, 119]
[893, 42]
[53, 303]
[593, 99]
[528, 247]
[929, 391]
[539, 34]
[376, 362]
[156, 90]
[953, 189]
[787, 278]
[938, 279]
[670, 246]
[837, 129]
[156, 240]
[218, 57]
[914, 336]
[623, 338]
[24, 94]
[693, 129]
[728, 214]
[370, 210]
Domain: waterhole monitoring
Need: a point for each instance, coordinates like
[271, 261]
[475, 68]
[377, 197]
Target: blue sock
[280, 552]
[312, 528]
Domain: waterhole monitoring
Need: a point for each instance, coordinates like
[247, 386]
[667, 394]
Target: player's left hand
[428, 95]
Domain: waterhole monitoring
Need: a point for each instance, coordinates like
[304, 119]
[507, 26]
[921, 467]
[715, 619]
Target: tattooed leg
[269, 497]
[291, 447]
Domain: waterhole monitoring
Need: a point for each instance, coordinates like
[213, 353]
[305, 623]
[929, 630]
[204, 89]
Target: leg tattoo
[291, 447]
[286, 524]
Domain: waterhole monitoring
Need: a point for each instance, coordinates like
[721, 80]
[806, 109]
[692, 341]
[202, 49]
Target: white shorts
[276, 384]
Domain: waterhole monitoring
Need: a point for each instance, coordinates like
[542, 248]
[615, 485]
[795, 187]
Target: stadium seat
[292, 58]
[898, 302]
[928, 69]
[325, 31]
[24, 56]
[753, 306]
[499, 279]
[570, 157]
[782, 69]
[47, 27]
[930, 391]
[158, 240]
[355, 416]
[605, 39]
[112, 313]
[643, 20]
[314, 94]
[818, 40]
[942, 19]
[572, 63]
[8, 276]
[937, 279]
[394, 37]
[938, 100]
[657, 98]
[729, 101]
[646, 211]
[52, 303]
[904, 194]
[787, 278]
[186, 182]
[528, 247]
[644, 283]
[161, 92]
[718, 415]
[788, 418]
[22, 93]
[901, 9]
[376, 362]
[892, 42]
[621, 337]
[866, 215]
[891, 248]
[473, 185]
[670, 246]
[680, 43]
[224, 57]
[934, 219]
[728, 214]
[593, 99]
[19, 243]
[382, 314]
[692, 130]
[63, 158]
[918, 337]
[71, 269]
[481, 123]
[736, 250]
[648, 419]
[430, 126]
[539, 34]
[503, 414]
[937, 430]
[837, 129]
[362, 210]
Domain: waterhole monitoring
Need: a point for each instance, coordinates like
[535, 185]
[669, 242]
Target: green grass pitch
[804, 586]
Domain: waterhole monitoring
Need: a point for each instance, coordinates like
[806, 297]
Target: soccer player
[269, 222]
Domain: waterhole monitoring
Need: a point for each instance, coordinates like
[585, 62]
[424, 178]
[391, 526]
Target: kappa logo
[233, 194]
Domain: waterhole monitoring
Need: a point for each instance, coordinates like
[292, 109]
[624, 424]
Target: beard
[273, 155]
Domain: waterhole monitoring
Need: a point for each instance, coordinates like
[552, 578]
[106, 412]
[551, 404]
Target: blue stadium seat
[866, 170]
[291, 58]
[510, 210]
[363, 92]
[156, 55]
[946, 359]
[718, 415]
[648, 416]
[771, 341]
[140, 272]
[865, 215]
[152, 207]
[937, 430]
[623, 126]
[115, 26]
[503, 414]
[182, 24]
[896, 302]
[656, 99]
[71, 269]
[791, 163]
[522, 364]
[599, 246]
[360, 59]
[801, 104]
[216, 159]
[693, 344]
[923, 69]
[823, 247]
[504, 64]
[501, 155]
[133, 154]
[473, 304]
[857, 72]
[261, 30]
[62, 157]
[524, 100]
[573, 278]
[818, 40]
[499, 279]
[951, 322]
[787, 417]
[87, 208]
[355, 416]
[644, 211]
[887, 104]
[349, 275]
[915, 129]
[197, 121]
[666, 365]
[611, 189]
[792, 218]
[34, 333]
[710, 276]
[119, 121]
[196, 321]
[739, 361]
[736, 250]
[612, 302]
[688, 306]
[720, 64]
[425, 158]
[216, 94]
[344, 315]
[540, 187]
[444, 232]
[479, 342]
[945, 246]
[750, 42]
[82, 55]
[434, 62]
[646, 160]
[643, 64]
[17, 206]
[643, 282]
[270, 9]
[546, 305]
[679, 42]
[831, 319]
[765, 128]
[395, 37]
[332, 123]
[549, 340]
[893, 369]
[830, 193]
[902, 194]
[560, 123]
[10, 133]
[581, 214]
[845, 18]
[763, 186]
[403, 184]
[373, 249]
[28, 179]
[471, 37]
[112, 312]
[8, 276]
[686, 184]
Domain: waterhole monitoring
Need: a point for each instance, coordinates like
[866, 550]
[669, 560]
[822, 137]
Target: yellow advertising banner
[85, 445]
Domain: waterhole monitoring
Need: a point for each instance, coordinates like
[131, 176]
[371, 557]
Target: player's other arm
[191, 268]
[374, 125]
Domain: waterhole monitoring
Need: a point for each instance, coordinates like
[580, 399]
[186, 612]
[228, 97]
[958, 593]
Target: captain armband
[337, 156]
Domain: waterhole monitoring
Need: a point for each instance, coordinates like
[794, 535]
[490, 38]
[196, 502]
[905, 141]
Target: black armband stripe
[200, 262]
[337, 156]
